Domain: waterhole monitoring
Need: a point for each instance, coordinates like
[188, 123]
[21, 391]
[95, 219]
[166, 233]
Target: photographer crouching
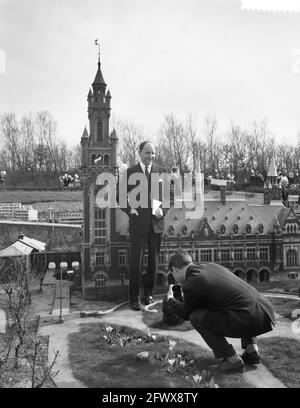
[219, 304]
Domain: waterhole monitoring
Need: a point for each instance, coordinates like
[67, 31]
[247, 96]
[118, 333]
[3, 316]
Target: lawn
[281, 356]
[30, 197]
[284, 306]
[78, 304]
[112, 362]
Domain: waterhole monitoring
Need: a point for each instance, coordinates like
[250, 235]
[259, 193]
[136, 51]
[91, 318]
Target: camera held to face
[177, 292]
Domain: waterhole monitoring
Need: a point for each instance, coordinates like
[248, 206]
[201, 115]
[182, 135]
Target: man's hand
[159, 213]
[133, 211]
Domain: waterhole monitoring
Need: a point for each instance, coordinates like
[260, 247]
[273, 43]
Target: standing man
[145, 228]
[219, 304]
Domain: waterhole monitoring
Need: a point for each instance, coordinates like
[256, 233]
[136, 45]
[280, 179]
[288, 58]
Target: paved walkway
[259, 376]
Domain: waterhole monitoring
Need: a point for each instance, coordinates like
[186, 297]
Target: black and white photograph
[149, 197]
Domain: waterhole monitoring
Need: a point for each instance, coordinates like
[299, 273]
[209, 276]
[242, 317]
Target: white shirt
[144, 167]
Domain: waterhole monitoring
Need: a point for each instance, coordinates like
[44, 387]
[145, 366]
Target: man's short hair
[142, 145]
[179, 259]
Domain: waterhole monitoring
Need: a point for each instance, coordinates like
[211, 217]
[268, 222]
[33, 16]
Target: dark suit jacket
[140, 224]
[211, 286]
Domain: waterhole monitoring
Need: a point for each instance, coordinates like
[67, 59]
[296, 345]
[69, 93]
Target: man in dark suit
[218, 305]
[145, 228]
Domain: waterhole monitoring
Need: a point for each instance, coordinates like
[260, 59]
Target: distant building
[17, 211]
[70, 218]
[258, 242]
[26, 214]
[7, 210]
[22, 248]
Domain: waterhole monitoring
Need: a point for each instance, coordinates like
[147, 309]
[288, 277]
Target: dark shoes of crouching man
[232, 364]
[237, 363]
[251, 358]
[135, 304]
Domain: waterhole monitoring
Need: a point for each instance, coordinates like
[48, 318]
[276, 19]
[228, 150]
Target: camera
[177, 292]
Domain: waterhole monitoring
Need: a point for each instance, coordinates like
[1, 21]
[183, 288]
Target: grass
[281, 356]
[29, 197]
[284, 307]
[283, 285]
[78, 304]
[98, 364]
[155, 320]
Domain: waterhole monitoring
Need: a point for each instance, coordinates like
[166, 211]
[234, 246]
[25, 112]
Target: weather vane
[97, 43]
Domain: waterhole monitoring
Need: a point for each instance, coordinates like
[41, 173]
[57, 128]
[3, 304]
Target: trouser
[138, 246]
[213, 331]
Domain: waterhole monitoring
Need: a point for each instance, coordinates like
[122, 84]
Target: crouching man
[218, 305]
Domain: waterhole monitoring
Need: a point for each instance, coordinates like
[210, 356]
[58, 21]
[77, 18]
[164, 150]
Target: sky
[158, 57]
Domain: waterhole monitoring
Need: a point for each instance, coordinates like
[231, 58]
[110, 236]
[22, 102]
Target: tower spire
[98, 44]
[99, 83]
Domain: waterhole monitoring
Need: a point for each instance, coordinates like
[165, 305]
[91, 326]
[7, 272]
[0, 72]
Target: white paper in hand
[155, 205]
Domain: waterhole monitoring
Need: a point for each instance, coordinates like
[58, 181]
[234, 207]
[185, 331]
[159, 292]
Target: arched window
[99, 131]
[100, 280]
[264, 276]
[106, 160]
[93, 157]
[239, 273]
[171, 230]
[251, 276]
[235, 228]
[292, 257]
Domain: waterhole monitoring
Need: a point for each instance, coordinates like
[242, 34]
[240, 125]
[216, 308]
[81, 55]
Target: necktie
[147, 172]
[149, 186]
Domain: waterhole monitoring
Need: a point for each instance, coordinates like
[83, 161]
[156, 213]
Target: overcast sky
[158, 57]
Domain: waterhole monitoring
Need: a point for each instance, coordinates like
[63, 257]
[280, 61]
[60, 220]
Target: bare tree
[175, 145]
[21, 338]
[212, 143]
[46, 128]
[41, 369]
[131, 135]
[236, 148]
[10, 134]
[28, 143]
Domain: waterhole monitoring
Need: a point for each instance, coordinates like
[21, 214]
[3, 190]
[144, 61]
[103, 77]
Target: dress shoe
[135, 305]
[251, 358]
[147, 300]
[226, 366]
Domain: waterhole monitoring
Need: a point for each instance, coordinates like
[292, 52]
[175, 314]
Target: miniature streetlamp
[52, 266]
[63, 267]
[51, 217]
